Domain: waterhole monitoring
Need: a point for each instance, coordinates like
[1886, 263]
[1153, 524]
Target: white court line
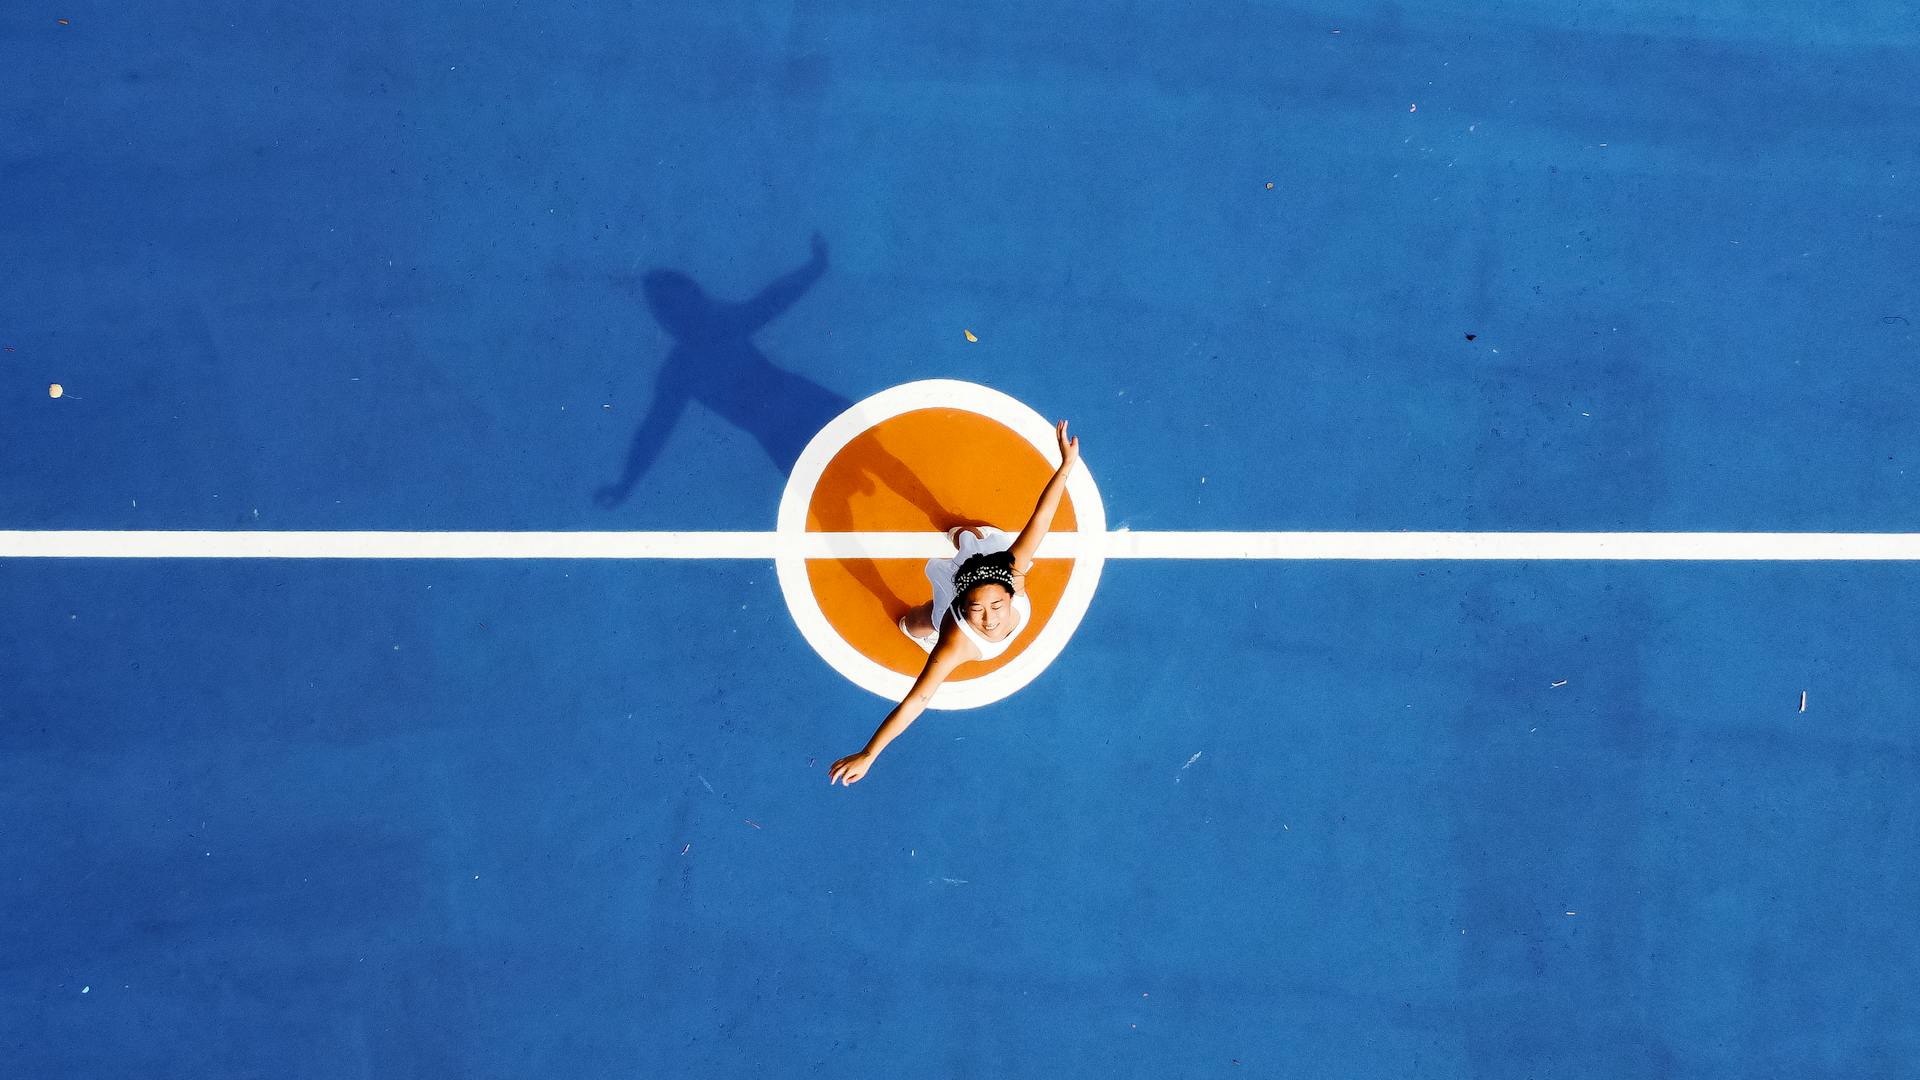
[1418, 546]
[1690, 546]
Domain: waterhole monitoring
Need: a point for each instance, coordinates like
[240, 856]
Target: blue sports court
[296, 781]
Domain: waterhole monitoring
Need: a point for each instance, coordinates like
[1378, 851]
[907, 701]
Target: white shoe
[926, 643]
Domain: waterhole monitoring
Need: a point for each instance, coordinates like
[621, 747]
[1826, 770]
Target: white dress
[940, 572]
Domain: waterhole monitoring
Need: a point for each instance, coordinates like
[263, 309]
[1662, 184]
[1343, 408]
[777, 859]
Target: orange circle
[926, 471]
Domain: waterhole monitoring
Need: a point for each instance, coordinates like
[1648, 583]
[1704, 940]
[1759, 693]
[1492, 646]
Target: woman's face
[988, 609]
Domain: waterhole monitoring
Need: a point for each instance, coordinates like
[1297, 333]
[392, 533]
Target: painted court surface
[861, 597]
[609, 274]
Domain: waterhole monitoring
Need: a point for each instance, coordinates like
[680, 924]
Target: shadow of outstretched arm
[750, 315]
[900, 477]
[669, 401]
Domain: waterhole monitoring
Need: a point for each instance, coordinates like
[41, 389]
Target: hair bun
[991, 568]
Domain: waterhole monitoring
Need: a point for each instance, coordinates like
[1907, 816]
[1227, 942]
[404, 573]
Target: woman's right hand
[1069, 447]
[849, 769]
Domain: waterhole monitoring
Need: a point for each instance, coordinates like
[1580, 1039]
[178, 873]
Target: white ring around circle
[791, 566]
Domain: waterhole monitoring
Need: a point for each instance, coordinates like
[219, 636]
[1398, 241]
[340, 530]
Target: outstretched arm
[1028, 545]
[950, 653]
[781, 294]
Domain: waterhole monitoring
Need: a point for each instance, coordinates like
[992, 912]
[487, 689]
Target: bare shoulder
[953, 648]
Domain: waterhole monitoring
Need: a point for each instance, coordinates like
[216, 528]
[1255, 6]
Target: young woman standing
[979, 606]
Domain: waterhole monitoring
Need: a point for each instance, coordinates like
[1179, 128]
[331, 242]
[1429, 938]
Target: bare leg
[953, 534]
[920, 620]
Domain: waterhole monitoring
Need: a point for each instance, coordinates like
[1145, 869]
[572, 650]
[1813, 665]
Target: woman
[979, 606]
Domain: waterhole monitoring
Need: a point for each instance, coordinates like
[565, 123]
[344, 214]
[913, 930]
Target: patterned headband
[995, 568]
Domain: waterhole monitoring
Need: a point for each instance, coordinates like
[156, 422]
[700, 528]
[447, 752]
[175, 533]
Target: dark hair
[992, 568]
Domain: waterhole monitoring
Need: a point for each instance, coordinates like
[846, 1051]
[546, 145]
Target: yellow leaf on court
[970, 336]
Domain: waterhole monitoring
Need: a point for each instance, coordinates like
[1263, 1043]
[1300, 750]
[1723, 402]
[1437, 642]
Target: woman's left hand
[1069, 447]
[849, 769]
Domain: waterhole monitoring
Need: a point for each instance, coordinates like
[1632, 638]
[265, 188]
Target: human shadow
[714, 362]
